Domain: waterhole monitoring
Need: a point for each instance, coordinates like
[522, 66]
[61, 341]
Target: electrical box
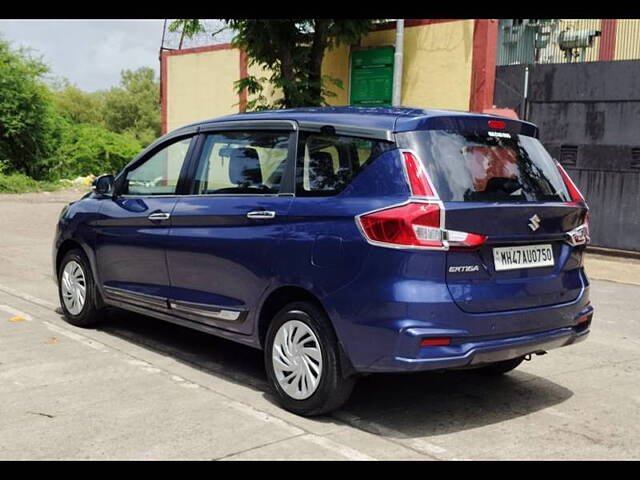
[372, 76]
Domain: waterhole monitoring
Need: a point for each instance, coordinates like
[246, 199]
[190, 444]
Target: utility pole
[397, 63]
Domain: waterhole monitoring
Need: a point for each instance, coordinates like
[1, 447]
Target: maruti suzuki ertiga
[340, 241]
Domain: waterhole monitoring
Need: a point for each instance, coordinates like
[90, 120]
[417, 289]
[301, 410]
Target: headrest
[322, 161]
[321, 174]
[244, 166]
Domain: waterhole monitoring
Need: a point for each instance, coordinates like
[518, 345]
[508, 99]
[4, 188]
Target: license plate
[525, 256]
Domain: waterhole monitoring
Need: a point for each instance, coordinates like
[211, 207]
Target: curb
[612, 252]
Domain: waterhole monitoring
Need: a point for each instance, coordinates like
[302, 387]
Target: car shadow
[412, 405]
[436, 403]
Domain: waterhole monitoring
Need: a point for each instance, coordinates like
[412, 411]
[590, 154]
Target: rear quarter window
[327, 164]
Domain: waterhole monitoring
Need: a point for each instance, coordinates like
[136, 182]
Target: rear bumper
[473, 353]
[382, 330]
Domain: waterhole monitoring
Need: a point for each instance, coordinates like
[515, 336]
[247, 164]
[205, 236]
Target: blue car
[341, 242]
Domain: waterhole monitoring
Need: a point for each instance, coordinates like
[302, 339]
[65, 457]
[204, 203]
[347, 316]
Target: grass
[20, 183]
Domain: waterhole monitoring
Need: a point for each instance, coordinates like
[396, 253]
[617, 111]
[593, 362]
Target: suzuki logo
[534, 223]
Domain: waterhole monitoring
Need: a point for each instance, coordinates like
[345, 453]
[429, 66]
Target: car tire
[306, 326]
[74, 276]
[499, 368]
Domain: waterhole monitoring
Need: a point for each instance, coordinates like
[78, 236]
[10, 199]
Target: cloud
[90, 53]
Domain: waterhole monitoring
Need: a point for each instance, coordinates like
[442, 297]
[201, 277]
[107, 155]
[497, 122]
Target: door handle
[261, 214]
[159, 216]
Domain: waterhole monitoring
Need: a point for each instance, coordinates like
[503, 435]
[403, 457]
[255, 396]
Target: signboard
[372, 76]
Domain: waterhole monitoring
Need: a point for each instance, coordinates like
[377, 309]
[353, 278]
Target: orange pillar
[608, 39]
[483, 64]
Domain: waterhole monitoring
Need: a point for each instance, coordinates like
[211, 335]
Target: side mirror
[103, 184]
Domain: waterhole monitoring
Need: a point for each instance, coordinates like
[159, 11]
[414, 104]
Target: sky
[90, 53]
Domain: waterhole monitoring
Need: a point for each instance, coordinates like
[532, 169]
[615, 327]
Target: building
[197, 83]
[579, 80]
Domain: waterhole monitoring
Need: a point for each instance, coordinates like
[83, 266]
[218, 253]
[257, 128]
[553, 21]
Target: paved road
[139, 388]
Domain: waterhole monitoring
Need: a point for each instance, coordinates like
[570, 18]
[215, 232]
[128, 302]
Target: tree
[30, 128]
[292, 50]
[79, 106]
[133, 107]
[93, 149]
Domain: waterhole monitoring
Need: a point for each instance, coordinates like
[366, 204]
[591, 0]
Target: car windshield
[488, 166]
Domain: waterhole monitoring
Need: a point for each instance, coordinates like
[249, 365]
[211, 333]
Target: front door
[132, 230]
[227, 232]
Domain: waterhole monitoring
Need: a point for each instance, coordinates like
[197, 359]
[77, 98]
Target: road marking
[332, 445]
[29, 298]
[263, 416]
[347, 452]
[78, 338]
[418, 444]
[17, 314]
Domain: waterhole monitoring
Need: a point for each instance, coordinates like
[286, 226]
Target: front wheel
[76, 291]
[302, 361]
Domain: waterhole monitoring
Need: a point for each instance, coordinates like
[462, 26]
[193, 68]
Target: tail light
[574, 193]
[579, 235]
[418, 223]
[419, 182]
[413, 224]
[435, 342]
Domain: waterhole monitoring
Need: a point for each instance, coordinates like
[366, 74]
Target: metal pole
[526, 92]
[397, 63]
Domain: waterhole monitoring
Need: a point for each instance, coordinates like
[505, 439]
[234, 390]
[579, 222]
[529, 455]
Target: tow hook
[527, 357]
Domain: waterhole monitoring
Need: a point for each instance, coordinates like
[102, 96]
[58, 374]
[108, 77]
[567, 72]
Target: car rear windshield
[488, 166]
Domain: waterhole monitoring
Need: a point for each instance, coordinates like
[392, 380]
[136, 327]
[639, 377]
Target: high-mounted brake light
[497, 124]
[418, 178]
[575, 194]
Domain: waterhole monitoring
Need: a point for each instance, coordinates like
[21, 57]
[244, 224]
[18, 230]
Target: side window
[242, 163]
[326, 164]
[159, 174]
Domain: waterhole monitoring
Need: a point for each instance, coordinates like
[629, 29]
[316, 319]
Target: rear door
[226, 234]
[504, 185]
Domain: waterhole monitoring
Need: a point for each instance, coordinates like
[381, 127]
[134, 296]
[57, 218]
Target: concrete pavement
[138, 388]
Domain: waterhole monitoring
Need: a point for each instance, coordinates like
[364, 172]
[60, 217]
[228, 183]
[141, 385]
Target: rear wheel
[76, 291]
[302, 361]
[499, 368]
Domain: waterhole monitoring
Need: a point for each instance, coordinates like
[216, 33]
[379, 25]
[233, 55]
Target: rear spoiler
[469, 123]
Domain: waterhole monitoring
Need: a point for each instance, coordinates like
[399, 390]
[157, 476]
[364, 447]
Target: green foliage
[134, 107]
[30, 127]
[92, 149]
[19, 182]
[188, 27]
[51, 133]
[78, 106]
[293, 50]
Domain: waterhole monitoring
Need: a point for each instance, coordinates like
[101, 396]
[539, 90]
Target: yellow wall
[436, 73]
[200, 86]
[336, 65]
[436, 67]
[627, 39]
